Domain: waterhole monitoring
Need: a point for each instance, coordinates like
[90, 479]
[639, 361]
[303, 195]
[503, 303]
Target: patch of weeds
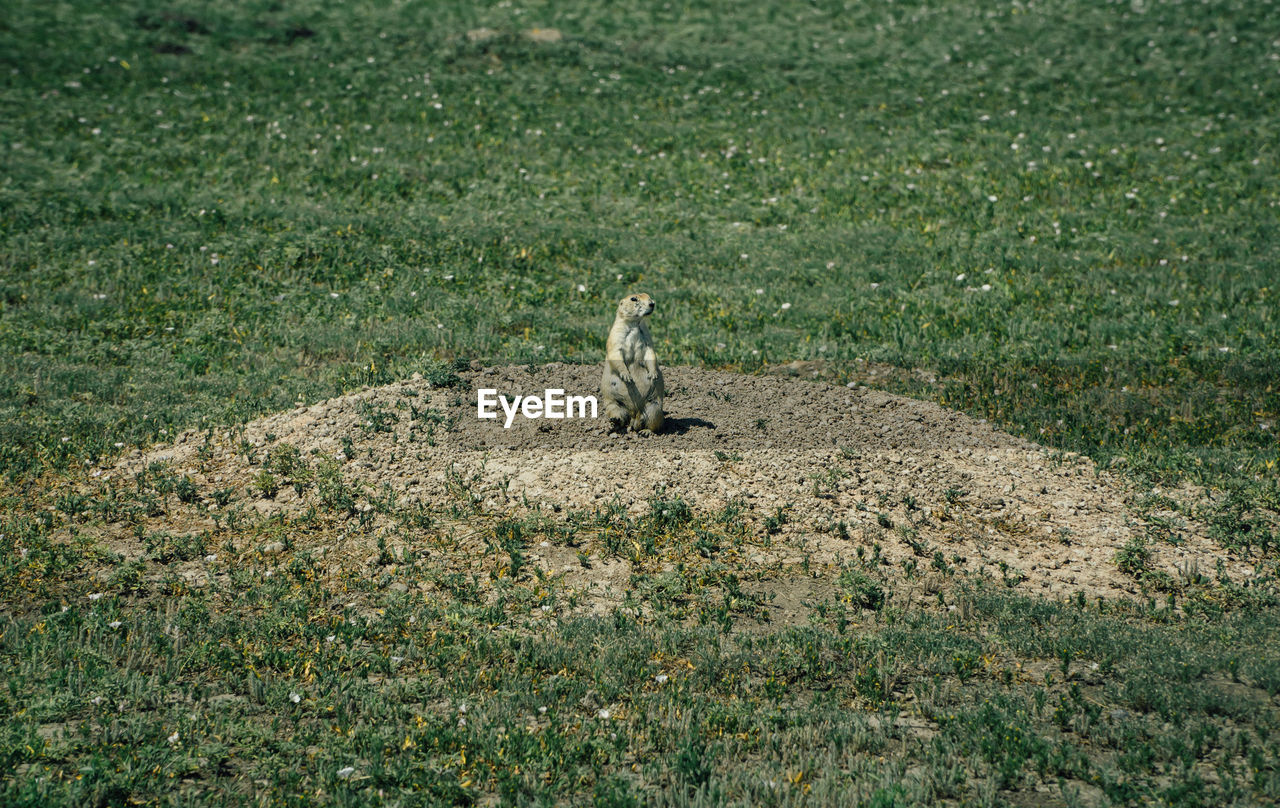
[222, 497]
[826, 484]
[463, 588]
[71, 503]
[157, 477]
[939, 563]
[348, 447]
[773, 522]
[1134, 558]
[964, 663]
[953, 495]
[375, 418]
[385, 556]
[29, 560]
[335, 494]
[129, 576]
[860, 589]
[1001, 733]
[1237, 524]
[615, 791]
[385, 501]
[911, 536]
[733, 517]
[146, 503]
[205, 452]
[1011, 576]
[895, 796]
[266, 483]
[466, 500]
[417, 516]
[424, 420]
[425, 414]
[163, 547]
[443, 374]
[285, 459]
[667, 515]
[110, 505]
[186, 490]
[706, 542]
[693, 762]
[508, 536]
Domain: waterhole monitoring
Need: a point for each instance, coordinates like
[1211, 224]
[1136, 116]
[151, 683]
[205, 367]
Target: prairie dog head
[633, 308]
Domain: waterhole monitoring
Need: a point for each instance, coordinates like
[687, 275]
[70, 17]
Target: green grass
[638, 153]
[210, 211]
[369, 696]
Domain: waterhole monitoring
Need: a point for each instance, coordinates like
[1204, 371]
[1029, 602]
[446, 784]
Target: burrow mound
[826, 470]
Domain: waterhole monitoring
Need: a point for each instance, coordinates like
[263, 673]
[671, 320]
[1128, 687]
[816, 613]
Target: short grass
[1064, 213]
[280, 687]
[233, 664]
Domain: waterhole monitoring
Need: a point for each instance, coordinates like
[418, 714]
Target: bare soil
[829, 469]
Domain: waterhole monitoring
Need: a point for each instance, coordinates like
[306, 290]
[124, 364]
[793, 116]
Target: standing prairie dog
[631, 385]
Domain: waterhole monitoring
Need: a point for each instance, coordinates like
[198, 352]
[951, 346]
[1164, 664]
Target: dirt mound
[819, 471]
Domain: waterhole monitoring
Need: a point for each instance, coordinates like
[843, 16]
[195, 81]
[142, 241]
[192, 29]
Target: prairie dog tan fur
[631, 385]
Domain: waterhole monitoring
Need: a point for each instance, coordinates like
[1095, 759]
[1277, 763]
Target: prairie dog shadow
[679, 426]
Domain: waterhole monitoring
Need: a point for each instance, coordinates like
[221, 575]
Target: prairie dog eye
[635, 300]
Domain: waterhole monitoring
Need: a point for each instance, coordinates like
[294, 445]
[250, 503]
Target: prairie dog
[631, 386]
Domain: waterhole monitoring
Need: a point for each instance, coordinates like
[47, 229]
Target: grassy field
[1065, 214]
